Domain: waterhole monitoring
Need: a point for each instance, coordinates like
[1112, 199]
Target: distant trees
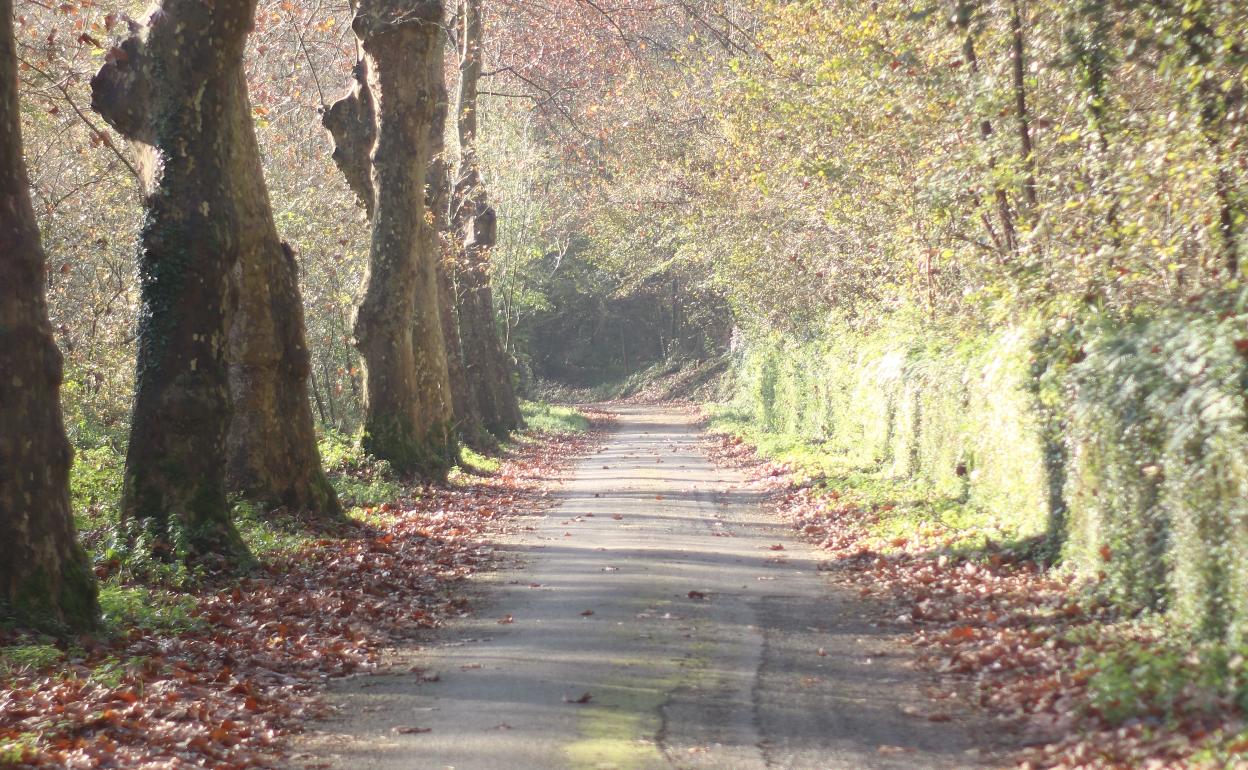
[475, 224]
[45, 579]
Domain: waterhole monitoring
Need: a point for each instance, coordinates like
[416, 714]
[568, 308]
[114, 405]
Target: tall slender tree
[382, 144]
[45, 580]
[475, 223]
[170, 87]
[435, 245]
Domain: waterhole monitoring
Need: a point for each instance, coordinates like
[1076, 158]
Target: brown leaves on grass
[999, 623]
[226, 694]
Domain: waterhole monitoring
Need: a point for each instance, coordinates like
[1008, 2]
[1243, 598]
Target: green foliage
[359, 479]
[126, 607]
[270, 533]
[15, 749]
[549, 418]
[95, 482]
[905, 403]
[1158, 487]
[32, 657]
[1124, 441]
[1156, 672]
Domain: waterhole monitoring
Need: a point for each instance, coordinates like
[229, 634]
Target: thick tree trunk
[474, 221]
[173, 91]
[273, 457]
[45, 580]
[398, 330]
[485, 364]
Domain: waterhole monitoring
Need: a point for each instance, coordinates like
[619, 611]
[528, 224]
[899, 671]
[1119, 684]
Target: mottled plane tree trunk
[382, 144]
[436, 245]
[475, 223]
[271, 444]
[170, 88]
[45, 580]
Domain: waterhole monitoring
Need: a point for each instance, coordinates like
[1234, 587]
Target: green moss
[475, 462]
[429, 457]
[619, 730]
[60, 606]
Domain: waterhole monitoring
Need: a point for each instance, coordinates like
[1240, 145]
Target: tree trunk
[434, 246]
[273, 457]
[1018, 54]
[45, 580]
[408, 411]
[475, 223]
[172, 90]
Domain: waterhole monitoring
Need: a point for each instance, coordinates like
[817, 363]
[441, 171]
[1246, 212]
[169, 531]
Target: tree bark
[398, 330]
[434, 245]
[172, 90]
[475, 223]
[271, 443]
[1018, 53]
[45, 579]
[467, 418]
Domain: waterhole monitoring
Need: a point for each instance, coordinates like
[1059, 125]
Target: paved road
[656, 594]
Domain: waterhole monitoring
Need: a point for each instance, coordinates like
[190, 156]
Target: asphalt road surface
[651, 621]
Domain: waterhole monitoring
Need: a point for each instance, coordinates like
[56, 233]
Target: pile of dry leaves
[225, 695]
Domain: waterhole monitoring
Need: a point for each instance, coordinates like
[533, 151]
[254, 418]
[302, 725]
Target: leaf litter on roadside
[227, 694]
[997, 630]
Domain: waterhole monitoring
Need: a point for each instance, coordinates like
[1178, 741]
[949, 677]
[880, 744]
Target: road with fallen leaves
[656, 617]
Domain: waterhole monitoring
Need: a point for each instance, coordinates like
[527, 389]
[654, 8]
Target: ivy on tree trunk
[172, 89]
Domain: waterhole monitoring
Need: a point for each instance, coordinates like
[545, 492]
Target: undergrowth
[1112, 453]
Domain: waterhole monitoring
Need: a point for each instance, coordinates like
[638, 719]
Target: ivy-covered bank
[1119, 450]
